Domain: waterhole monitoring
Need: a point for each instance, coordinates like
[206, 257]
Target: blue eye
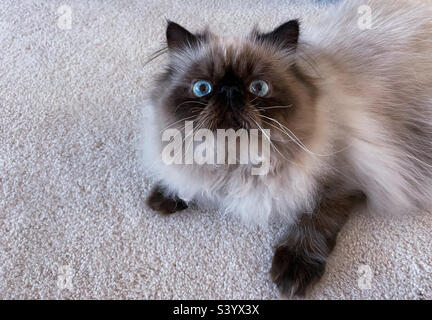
[259, 88]
[201, 88]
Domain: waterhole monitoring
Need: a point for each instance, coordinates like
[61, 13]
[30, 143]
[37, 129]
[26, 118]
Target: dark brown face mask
[249, 84]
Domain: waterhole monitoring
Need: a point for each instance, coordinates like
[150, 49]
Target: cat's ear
[285, 36]
[178, 37]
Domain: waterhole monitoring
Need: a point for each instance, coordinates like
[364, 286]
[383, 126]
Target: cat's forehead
[231, 53]
[213, 58]
[229, 47]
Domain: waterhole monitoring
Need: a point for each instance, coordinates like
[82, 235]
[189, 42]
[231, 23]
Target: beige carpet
[73, 223]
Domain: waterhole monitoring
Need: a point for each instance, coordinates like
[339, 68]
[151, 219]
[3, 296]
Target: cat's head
[237, 82]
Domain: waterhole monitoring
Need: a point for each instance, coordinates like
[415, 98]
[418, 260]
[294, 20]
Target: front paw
[294, 270]
[159, 202]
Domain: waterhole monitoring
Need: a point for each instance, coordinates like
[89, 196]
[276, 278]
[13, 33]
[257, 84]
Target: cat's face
[223, 83]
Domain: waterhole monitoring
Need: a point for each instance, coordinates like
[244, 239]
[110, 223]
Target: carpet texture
[73, 222]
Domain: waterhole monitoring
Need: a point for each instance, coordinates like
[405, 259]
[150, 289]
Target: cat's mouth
[232, 120]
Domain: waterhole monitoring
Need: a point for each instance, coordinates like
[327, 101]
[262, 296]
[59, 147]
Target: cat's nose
[230, 91]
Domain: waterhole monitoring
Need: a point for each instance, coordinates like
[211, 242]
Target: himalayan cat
[349, 110]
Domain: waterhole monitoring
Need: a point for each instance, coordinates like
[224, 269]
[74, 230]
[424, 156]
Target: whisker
[189, 101]
[291, 135]
[175, 122]
[276, 107]
[156, 54]
[277, 128]
[300, 143]
[253, 99]
[274, 146]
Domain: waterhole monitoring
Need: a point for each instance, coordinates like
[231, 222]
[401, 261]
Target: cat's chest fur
[235, 191]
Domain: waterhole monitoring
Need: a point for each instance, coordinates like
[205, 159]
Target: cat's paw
[159, 202]
[295, 270]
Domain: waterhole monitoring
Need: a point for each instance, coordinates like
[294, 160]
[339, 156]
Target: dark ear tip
[171, 24]
[177, 36]
[292, 24]
[285, 35]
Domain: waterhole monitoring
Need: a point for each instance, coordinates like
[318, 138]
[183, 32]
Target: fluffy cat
[350, 114]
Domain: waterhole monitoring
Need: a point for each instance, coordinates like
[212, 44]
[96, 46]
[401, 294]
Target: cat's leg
[161, 202]
[300, 260]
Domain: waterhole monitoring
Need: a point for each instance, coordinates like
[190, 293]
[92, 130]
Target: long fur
[373, 118]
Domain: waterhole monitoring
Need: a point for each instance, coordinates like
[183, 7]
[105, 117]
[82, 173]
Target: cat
[349, 109]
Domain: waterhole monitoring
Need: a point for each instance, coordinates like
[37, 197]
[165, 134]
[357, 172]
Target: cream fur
[359, 72]
[368, 70]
